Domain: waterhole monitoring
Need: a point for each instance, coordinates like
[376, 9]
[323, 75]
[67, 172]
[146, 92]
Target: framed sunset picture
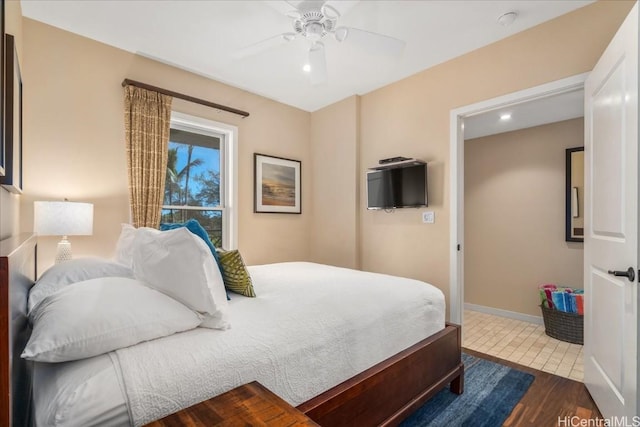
[277, 185]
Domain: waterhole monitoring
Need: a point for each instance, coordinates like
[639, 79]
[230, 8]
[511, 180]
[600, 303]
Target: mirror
[574, 230]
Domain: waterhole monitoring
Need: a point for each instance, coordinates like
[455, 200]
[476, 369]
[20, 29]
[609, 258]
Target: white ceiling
[550, 109]
[201, 36]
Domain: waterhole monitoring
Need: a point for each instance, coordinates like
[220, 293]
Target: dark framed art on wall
[12, 179]
[2, 91]
[277, 185]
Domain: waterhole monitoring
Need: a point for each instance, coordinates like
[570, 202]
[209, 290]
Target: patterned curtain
[147, 117]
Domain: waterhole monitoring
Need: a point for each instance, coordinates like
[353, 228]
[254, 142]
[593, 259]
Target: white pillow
[101, 315]
[124, 246]
[72, 271]
[179, 263]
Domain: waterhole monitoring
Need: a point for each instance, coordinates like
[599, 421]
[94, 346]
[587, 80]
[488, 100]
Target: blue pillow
[194, 226]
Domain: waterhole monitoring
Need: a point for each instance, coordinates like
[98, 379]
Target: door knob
[629, 273]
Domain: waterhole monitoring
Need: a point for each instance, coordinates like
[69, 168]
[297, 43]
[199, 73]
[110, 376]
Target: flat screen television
[397, 187]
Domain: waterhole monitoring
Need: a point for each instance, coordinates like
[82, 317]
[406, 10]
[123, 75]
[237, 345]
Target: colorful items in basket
[562, 298]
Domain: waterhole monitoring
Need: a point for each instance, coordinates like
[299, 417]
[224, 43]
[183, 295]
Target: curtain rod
[127, 82]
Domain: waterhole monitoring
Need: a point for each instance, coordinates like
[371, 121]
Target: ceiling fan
[314, 20]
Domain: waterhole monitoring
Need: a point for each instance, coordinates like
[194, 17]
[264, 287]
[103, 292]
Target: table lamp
[63, 219]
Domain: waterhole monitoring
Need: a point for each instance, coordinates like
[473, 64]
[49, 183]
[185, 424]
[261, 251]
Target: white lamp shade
[63, 218]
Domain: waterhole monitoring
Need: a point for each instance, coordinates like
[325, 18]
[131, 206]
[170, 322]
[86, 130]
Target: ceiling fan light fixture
[312, 20]
[314, 31]
[341, 33]
[329, 25]
[329, 11]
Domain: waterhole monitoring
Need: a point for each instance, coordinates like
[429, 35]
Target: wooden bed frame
[17, 274]
[382, 395]
[388, 392]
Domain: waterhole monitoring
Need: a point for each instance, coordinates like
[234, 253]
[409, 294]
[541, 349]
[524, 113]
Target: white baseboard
[504, 313]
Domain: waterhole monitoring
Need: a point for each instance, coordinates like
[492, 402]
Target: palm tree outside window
[194, 183]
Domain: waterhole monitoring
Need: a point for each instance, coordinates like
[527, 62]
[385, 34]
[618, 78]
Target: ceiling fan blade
[287, 8]
[264, 45]
[279, 6]
[342, 6]
[371, 42]
[318, 63]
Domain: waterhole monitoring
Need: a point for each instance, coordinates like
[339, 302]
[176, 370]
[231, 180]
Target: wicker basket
[563, 326]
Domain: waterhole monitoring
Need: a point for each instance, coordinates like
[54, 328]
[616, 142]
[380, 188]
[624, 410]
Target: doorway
[457, 118]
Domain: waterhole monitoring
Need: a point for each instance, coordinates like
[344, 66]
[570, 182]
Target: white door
[611, 234]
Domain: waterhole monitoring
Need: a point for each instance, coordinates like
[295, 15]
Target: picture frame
[277, 185]
[574, 187]
[12, 179]
[2, 91]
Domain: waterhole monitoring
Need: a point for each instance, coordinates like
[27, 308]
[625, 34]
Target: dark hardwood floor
[549, 399]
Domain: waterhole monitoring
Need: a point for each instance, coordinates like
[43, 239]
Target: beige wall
[411, 118]
[334, 178]
[515, 216]
[10, 203]
[74, 141]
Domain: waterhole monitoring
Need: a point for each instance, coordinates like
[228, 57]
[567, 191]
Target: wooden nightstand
[250, 404]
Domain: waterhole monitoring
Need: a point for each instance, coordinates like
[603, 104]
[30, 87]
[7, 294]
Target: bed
[406, 359]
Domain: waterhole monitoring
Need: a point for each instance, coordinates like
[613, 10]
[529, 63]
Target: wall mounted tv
[398, 186]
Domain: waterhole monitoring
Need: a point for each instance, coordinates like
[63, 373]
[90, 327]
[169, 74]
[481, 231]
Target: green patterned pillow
[234, 273]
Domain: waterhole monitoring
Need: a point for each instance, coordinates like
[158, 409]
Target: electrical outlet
[428, 217]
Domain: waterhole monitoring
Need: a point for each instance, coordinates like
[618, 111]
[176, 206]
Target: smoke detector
[507, 19]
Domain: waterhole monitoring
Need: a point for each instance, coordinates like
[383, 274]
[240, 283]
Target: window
[201, 177]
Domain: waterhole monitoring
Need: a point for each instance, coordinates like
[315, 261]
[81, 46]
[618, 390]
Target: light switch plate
[428, 217]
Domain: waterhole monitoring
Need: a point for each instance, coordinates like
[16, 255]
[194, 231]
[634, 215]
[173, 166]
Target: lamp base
[63, 253]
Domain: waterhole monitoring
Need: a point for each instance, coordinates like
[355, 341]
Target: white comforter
[310, 328]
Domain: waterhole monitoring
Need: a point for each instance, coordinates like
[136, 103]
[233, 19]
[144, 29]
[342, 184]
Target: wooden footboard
[388, 392]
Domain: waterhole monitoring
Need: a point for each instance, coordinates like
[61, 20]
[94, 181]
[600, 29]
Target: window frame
[228, 171]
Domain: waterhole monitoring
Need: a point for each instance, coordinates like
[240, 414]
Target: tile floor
[521, 342]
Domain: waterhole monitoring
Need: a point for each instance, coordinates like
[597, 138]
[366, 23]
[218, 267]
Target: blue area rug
[491, 390]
